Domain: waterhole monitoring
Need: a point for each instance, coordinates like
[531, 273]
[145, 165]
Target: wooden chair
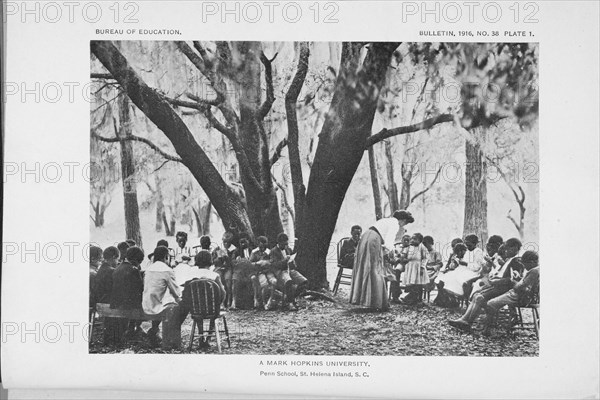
[171, 255]
[532, 303]
[205, 302]
[92, 321]
[196, 249]
[341, 278]
[510, 318]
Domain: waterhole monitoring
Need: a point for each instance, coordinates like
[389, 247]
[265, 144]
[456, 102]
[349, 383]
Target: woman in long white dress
[369, 287]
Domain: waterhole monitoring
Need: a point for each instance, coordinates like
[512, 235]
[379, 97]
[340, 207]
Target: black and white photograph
[314, 198]
[300, 199]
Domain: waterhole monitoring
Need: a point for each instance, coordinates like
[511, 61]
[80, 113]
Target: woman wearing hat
[368, 279]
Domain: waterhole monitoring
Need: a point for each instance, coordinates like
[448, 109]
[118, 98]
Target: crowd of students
[124, 278]
[487, 281]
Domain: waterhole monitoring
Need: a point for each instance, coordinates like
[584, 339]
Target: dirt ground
[325, 328]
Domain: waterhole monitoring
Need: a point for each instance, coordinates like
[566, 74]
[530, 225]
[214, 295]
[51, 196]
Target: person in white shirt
[468, 270]
[159, 279]
[182, 263]
[368, 286]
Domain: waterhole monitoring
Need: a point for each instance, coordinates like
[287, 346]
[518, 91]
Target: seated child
[102, 292]
[349, 247]
[205, 243]
[150, 259]
[182, 257]
[240, 273]
[501, 281]
[434, 262]
[104, 277]
[444, 298]
[223, 257]
[289, 280]
[95, 261]
[123, 246]
[158, 278]
[128, 286]
[514, 296]
[263, 278]
[524, 290]
[460, 279]
[492, 257]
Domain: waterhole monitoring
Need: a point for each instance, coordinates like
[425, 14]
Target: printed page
[163, 159]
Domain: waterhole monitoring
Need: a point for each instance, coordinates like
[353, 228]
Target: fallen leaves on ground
[326, 328]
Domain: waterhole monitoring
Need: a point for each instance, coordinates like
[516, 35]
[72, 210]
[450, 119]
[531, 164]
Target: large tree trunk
[291, 98]
[475, 192]
[263, 207]
[339, 152]
[375, 183]
[132, 212]
[160, 112]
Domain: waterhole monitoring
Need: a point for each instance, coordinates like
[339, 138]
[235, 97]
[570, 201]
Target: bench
[171, 328]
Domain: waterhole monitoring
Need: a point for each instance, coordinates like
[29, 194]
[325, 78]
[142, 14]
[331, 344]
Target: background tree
[103, 180]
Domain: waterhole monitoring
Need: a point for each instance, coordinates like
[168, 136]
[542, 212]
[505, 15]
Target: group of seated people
[490, 279]
[123, 278]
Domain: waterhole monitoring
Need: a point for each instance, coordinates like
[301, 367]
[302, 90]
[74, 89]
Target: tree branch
[402, 130]
[198, 46]
[510, 217]
[215, 123]
[101, 75]
[137, 139]
[278, 149]
[200, 64]
[422, 192]
[268, 103]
